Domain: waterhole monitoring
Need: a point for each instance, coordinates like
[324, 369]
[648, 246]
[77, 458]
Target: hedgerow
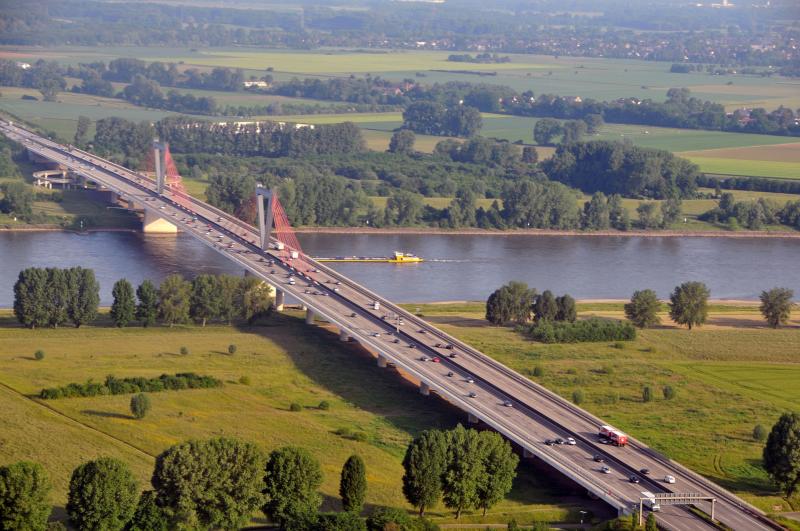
[582, 331]
[121, 386]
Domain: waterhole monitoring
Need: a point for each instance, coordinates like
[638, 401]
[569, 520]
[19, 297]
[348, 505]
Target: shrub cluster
[582, 331]
[120, 386]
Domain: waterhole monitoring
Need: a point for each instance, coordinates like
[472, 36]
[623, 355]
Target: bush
[647, 393]
[184, 351]
[122, 386]
[324, 405]
[577, 396]
[582, 331]
[140, 405]
[39, 355]
[669, 392]
[618, 344]
[386, 517]
[244, 380]
[295, 407]
[538, 371]
[231, 349]
[759, 433]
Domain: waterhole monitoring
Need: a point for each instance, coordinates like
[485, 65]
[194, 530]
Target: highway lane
[536, 414]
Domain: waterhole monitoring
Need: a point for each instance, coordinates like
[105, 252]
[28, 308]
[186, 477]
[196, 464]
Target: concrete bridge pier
[279, 296]
[382, 362]
[310, 316]
[154, 224]
[527, 454]
[424, 389]
[344, 336]
[472, 419]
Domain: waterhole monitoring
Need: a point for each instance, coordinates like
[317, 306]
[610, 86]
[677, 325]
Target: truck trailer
[616, 437]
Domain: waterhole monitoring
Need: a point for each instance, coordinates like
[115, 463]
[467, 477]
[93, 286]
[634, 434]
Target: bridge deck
[537, 414]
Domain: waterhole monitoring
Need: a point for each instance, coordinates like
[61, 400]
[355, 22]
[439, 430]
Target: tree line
[219, 483]
[753, 214]
[120, 386]
[52, 297]
[517, 304]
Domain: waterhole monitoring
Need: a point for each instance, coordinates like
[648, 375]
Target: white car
[605, 470]
[571, 441]
[669, 479]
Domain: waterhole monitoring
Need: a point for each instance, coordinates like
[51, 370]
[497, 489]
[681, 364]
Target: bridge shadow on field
[351, 372]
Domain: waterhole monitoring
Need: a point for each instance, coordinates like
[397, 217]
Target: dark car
[549, 442]
[599, 459]
[633, 479]
[644, 471]
[560, 441]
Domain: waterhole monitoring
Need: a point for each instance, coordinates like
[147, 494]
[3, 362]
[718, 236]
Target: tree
[174, 295]
[544, 131]
[510, 303]
[596, 214]
[214, 483]
[147, 309]
[689, 304]
[593, 122]
[123, 309]
[102, 495]
[255, 299]
[140, 405]
[82, 130]
[353, 484]
[670, 210]
[402, 142]
[530, 155]
[642, 311]
[776, 306]
[500, 469]
[403, 208]
[229, 291]
[545, 308]
[464, 470]
[573, 131]
[60, 294]
[617, 213]
[84, 295]
[148, 515]
[650, 523]
[17, 199]
[30, 297]
[292, 479]
[649, 216]
[424, 465]
[566, 309]
[668, 392]
[24, 487]
[205, 298]
[647, 393]
[759, 433]
[782, 453]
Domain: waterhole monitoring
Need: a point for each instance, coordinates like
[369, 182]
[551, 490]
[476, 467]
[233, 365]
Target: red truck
[616, 437]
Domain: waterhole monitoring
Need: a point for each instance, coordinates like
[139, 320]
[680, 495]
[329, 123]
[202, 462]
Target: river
[457, 267]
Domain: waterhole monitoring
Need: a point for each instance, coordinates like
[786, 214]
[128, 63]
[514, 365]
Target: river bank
[467, 232]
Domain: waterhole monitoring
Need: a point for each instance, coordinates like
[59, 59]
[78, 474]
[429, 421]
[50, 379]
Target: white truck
[649, 501]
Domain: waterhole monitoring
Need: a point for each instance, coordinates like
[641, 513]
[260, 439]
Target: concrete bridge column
[382, 361]
[154, 224]
[310, 316]
[344, 336]
[279, 296]
[424, 389]
[527, 454]
[472, 419]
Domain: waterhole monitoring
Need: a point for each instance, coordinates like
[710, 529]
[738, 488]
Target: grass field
[729, 376]
[286, 362]
[598, 78]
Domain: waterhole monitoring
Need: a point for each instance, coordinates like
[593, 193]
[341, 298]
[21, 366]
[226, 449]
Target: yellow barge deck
[398, 258]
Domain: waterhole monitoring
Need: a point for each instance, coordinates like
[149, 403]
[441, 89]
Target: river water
[457, 267]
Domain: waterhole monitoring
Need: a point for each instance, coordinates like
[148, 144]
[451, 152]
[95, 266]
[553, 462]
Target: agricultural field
[779, 161]
[729, 375]
[274, 365]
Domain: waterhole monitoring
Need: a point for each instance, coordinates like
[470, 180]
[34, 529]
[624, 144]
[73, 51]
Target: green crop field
[286, 361]
[597, 78]
[757, 168]
[729, 376]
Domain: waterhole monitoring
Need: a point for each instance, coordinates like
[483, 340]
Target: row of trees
[516, 303]
[204, 298]
[200, 484]
[431, 118]
[753, 214]
[465, 468]
[52, 296]
[688, 305]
